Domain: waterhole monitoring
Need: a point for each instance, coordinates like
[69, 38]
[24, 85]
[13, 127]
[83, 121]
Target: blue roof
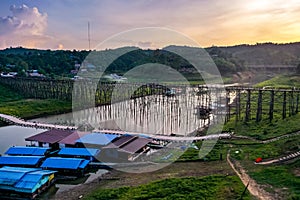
[97, 138]
[20, 160]
[65, 163]
[78, 152]
[32, 151]
[22, 178]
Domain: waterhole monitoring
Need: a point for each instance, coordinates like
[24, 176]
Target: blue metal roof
[22, 179]
[65, 163]
[33, 151]
[20, 160]
[97, 138]
[78, 152]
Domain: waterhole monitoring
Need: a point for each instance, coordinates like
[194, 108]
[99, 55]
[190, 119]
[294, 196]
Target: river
[15, 136]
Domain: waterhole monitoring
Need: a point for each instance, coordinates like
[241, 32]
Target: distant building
[9, 74]
[35, 73]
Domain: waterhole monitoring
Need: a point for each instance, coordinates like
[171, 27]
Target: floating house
[24, 182]
[70, 141]
[21, 161]
[65, 166]
[85, 153]
[50, 138]
[28, 151]
[96, 140]
[126, 147]
[133, 149]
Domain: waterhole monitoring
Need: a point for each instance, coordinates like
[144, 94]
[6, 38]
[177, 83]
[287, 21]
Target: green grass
[192, 154]
[282, 81]
[210, 187]
[280, 177]
[265, 129]
[13, 103]
[266, 151]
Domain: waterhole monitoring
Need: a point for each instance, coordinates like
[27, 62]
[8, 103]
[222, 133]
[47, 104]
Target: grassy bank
[283, 81]
[210, 187]
[15, 104]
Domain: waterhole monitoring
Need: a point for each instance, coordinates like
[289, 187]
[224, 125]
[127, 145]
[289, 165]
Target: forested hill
[229, 60]
[262, 54]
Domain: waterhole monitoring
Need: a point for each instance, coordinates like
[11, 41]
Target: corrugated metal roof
[84, 164]
[22, 178]
[135, 145]
[79, 151]
[33, 151]
[121, 141]
[97, 138]
[20, 160]
[64, 163]
[51, 136]
[71, 139]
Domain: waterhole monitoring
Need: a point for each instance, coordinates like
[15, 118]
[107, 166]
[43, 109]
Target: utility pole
[89, 38]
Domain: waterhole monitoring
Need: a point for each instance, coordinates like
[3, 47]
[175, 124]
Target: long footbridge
[20, 122]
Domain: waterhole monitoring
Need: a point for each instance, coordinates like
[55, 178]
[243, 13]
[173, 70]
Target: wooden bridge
[241, 103]
[20, 122]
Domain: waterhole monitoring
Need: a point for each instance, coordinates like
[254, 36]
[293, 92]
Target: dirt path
[253, 187]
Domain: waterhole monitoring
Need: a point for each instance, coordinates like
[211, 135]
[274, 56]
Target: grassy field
[209, 187]
[282, 81]
[285, 178]
[14, 104]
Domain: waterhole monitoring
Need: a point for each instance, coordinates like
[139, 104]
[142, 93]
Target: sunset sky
[62, 24]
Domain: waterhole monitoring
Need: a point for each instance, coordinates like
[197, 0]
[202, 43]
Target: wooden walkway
[171, 138]
[20, 122]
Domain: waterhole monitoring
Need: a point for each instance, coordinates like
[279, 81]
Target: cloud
[145, 45]
[25, 22]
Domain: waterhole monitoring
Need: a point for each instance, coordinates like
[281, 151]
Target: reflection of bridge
[20, 122]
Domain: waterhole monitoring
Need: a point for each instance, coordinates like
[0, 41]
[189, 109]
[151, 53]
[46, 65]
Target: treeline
[229, 60]
[263, 53]
[61, 63]
[47, 62]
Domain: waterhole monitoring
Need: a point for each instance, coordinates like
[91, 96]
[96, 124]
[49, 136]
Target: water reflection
[156, 114]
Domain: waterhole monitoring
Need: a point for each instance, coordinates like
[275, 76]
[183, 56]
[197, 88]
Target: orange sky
[63, 24]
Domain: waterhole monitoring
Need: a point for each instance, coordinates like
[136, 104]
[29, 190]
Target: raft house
[24, 182]
[66, 166]
[49, 138]
[28, 151]
[126, 147]
[85, 153]
[21, 161]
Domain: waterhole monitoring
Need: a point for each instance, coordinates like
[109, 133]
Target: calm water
[15, 136]
[155, 114]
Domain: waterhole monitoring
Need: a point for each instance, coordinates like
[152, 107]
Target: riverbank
[15, 104]
[177, 180]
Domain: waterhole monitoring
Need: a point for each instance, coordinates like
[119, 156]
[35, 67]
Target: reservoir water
[15, 136]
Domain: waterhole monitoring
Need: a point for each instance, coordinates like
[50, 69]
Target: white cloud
[26, 26]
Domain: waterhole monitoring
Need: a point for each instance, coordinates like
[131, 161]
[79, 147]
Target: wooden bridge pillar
[259, 107]
[271, 107]
[297, 103]
[284, 105]
[248, 106]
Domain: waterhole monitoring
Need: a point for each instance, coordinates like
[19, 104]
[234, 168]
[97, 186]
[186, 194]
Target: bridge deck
[21, 122]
